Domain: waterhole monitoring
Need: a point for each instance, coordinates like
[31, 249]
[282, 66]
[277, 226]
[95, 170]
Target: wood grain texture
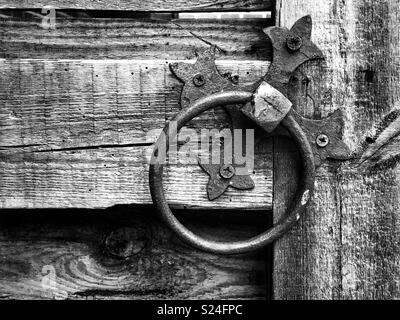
[384, 148]
[94, 38]
[79, 133]
[121, 254]
[78, 103]
[301, 257]
[347, 245]
[150, 5]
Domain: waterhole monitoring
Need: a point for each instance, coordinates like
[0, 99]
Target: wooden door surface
[80, 104]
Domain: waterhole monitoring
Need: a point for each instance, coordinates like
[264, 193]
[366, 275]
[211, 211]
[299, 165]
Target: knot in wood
[128, 241]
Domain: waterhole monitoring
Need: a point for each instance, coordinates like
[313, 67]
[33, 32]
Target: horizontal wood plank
[92, 38]
[100, 178]
[78, 133]
[150, 5]
[121, 255]
[76, 103]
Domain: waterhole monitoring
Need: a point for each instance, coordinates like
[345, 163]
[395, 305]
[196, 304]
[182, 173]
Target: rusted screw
[199, 80]
[322, 140]
[294, 42]
[227, 171]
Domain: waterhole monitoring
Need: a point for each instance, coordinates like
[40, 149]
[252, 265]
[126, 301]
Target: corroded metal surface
[202, 79]
[288, 55]
[268, 107]
[300, 201]
[266, 104]
[222, 176]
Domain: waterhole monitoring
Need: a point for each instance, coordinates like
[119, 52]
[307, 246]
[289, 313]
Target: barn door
[347, 245]
[83, 89]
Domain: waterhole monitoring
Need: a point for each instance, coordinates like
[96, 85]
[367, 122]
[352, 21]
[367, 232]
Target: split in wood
[385, 147]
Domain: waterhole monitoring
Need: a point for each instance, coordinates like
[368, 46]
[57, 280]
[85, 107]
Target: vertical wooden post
[347, 245]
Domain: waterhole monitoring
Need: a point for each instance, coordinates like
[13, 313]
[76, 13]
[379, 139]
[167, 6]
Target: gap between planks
[82, 174]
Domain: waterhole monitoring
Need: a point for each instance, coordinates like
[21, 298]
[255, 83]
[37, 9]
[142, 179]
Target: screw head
[227, 171]
[199, 80]
[322, 140]
[294, 42]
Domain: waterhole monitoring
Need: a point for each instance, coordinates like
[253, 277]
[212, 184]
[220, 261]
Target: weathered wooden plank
[103, 177]
[121, 255]
[150, 5]
[78, 133]
[76, 103]
[347, 246]
[299, 250]
[298, 262]
[92, 38]
[370, 235]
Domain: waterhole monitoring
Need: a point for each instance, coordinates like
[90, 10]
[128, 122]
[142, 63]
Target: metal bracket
[202, 79]
[266, 104]
[291, 48]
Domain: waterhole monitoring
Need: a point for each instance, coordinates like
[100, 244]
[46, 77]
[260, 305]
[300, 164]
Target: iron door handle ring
[303, 195]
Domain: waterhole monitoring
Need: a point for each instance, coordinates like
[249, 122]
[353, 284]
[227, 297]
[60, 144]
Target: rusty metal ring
[303, 195]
